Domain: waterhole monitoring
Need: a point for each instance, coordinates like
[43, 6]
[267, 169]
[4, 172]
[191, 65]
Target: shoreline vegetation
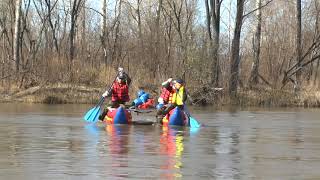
[77, 94]
[266, 53]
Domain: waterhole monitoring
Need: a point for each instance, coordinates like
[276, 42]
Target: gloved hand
[106, 94]
[165, 83]
[160, 100]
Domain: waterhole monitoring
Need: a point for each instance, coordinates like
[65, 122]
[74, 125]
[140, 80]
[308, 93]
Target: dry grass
[87, 85]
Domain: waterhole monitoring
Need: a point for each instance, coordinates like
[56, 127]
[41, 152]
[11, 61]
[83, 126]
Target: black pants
[167, 108]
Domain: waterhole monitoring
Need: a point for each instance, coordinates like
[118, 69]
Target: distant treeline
[235, 45]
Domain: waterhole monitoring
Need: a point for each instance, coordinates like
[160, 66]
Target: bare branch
[262, 6]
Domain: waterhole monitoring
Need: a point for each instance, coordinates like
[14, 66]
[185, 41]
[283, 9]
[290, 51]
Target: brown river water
[53, 142]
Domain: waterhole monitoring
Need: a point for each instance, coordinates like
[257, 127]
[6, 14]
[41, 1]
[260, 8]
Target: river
[53, 142]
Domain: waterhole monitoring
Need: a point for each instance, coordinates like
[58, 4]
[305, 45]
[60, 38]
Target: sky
[226, 17]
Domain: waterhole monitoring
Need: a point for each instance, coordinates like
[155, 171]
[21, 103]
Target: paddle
[93, 114]
[192, 121]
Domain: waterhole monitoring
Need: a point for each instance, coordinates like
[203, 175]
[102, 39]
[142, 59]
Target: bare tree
[76, 4]
[298, 44]
[157, 42]
[235, 57]
[104, 29]
[16, 44]
[213, 18]
[256, 48]
[317, 32]
[51, 24]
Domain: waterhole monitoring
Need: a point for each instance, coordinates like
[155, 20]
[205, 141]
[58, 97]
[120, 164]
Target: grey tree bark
[235, 57]
[256, 48]
[157, 42]
[213, 18]
[298, 45]
[104, 30]
[16, 37]
[74, 16]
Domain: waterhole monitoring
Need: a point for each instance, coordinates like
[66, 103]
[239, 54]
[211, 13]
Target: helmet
[180, 81]
[140, 93]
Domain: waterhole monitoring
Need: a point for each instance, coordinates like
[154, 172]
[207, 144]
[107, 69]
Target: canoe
[118, 115]
[123, 116]
[176, 117]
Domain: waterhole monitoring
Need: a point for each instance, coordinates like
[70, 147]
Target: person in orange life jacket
[165, 97]
[179, 96]
[119, 92]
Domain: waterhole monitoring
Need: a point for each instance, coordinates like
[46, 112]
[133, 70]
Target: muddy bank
[55, 94]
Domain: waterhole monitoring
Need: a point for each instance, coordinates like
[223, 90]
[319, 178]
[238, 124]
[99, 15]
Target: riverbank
[54, 94]
[71, 94]
[279, 98]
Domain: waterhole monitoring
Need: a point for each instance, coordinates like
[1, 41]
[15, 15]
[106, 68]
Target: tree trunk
[316, 74]
[16, 41]
[208, 12]
[298, 46]
[52, 26]
[317, 28]
[83, 35]
[74, 17]
[216, 42]
[2, 60]
[104, 18]
[235, 57]
[213, 18]
[104, 31]
[256, 49]
[139, 22]
[157, 43]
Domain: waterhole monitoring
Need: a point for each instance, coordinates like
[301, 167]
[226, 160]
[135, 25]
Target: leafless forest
[237, 45]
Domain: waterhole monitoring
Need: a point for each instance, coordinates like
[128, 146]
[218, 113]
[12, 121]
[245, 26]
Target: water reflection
[118, 142]
[118, 139]
[227, 157]
[171, 145]
[93, 130]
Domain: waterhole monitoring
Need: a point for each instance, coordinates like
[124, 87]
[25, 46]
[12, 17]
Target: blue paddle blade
[89, 113]
[194, 123]
[92, 114]
[96, 117]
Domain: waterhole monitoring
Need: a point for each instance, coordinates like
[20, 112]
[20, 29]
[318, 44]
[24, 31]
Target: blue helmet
[140, 93]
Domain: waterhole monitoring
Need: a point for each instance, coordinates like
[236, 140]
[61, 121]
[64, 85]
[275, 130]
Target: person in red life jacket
[165, 98]
[179, 96]
[166, 92]
[119, 92]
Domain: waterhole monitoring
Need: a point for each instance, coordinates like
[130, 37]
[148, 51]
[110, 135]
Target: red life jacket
[120, 92]
[166, 94]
